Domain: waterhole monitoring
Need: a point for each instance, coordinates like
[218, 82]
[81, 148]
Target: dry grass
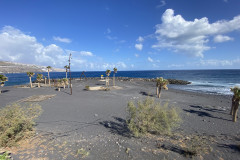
[82, 152]
[16, 122]
[151, 117]
[36, 98]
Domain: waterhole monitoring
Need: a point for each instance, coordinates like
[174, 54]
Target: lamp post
[70, 56]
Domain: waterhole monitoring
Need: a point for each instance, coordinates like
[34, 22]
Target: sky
[127, 34]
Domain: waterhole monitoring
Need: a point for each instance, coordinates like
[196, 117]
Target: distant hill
[12, 67]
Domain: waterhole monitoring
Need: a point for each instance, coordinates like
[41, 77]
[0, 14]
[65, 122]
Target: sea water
[205, 81]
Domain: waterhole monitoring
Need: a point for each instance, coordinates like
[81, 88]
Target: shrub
[16, 121]
[82, 152]
[151, 117]
[5, 156]
[106, 89]
[196, 145]
[87, 88]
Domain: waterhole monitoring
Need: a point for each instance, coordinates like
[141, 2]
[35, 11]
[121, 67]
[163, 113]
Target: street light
[70, 56]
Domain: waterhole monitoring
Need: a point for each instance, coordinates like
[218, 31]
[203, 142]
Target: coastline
[210, 81]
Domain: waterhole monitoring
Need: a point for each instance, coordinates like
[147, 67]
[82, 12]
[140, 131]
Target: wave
[214, 84]
[205, 89]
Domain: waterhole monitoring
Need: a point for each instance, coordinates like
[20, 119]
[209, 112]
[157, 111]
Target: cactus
[108, 72]
[235, 102]
[3, 79]
[161, 83]
[45, 80]
[64, 82]
[48, 68]
[66, 67]
[114, 72]
[39, 78]
[30, 75]
[59, 84]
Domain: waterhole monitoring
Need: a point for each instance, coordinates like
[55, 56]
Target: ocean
[204, 81]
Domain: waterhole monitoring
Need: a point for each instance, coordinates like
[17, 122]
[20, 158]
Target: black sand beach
[94, 121]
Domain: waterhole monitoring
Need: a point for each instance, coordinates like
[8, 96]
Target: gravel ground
[91, 124]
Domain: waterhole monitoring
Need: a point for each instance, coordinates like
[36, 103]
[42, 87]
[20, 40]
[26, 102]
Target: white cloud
[225, 1]
[86, 53]
[19, 47]
[150, 59]
[111, 37]
[190, 37]
[139, 46]
[137, 55]
[214, 62]
[105, 66]
[108, 31]
[162, 3]
[155, 65]
[64, 40]
[140, 39]
[121, 65]
[175, 65]
[221, 38]
[122, 41]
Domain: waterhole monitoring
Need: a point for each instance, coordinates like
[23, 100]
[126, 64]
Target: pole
[70, 73]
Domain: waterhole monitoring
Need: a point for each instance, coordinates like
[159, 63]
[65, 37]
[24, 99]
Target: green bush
[151, 117]
[16, 122]
[87, 88]
[4, 156]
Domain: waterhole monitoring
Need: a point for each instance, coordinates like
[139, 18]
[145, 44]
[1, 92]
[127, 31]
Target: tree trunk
[45, 81]
[58, 88]
[157, 91]
[38, 85]
[64, 86]
[235, 110]
[233, 104]
[30, 81]
[114, 79]
[66, 74]
[106, 82]
[49, 79]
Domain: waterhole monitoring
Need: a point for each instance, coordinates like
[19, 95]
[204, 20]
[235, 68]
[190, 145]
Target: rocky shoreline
[171, 81]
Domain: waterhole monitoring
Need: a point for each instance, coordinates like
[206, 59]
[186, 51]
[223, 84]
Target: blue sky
[127, 34]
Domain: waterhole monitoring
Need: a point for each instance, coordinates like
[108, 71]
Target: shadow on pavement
[119, 126]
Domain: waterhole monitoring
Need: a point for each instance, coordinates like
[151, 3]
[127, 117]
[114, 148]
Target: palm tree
[3, 79]
[235, 102]
[30, 75]
[48, 68]
[66, 67]
[161, 83]
[39, 78]
[114, 72]
[108, 72]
